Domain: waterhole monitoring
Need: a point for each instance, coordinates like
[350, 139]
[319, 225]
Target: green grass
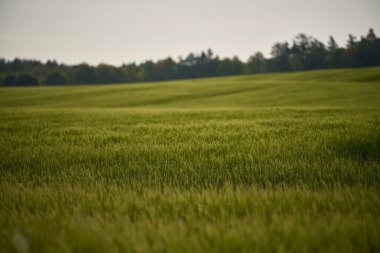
[265, 163]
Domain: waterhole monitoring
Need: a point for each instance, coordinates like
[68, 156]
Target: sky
[117, 31]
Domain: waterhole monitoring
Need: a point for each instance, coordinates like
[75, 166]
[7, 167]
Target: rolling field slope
[352, 87]
[275, 162]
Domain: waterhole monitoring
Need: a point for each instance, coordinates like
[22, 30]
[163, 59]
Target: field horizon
[284, 162]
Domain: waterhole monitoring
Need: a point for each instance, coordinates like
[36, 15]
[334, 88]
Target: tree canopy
[304, 52]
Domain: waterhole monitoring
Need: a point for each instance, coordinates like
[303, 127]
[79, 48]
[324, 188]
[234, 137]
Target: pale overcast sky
[117, 31]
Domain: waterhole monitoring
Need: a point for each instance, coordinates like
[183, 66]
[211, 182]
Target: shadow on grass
[361, 150]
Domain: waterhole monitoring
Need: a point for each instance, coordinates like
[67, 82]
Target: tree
[84, 74]
[107, 74]
[229, 66]
[52, 64]
[165, 69]
[351, 52]
[307, 53]
[368, 50]
[256, 64]
[334, 56]
[26, 80]
[351, 40]
[237, 66]
[316, 57]
[9, 80]
[332, 45]
[371, 36]
[17, 65]
[147, 71]
[3, 65]
[56, 78]
[281, 55]
[131, 72]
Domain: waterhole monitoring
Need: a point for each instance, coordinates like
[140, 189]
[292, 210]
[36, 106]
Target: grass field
[265, 163]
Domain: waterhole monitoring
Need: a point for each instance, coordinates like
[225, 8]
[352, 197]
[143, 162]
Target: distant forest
[303, 53]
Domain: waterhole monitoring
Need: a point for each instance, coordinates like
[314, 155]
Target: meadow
[260, 163]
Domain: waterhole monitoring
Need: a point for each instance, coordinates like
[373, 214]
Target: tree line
[303, 53]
